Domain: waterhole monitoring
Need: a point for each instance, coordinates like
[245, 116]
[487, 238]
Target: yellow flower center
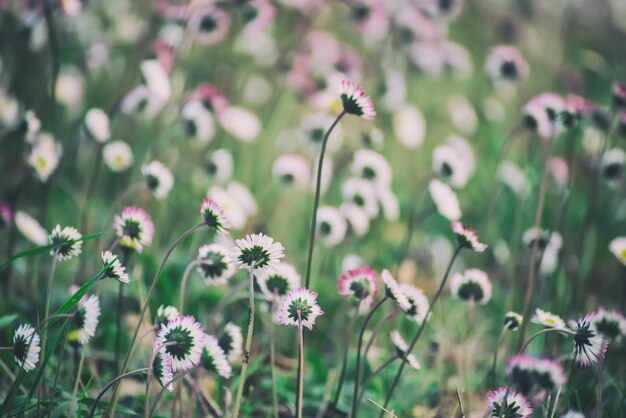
[623, 253]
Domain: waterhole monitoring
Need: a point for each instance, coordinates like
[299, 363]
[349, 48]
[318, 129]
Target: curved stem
[300, 367]
[373, 375]
[149, 375]
[183, 284]
[109, 385]
[118, 317]
[376, 330]
[55, 259]
[66, 329]
[344, 365]
[273, 354]
[157, 399]
[358, 355]
[223, 302]
[492, 372]
[421, 328]
[316, 202]
[542, 332]
[248, 346]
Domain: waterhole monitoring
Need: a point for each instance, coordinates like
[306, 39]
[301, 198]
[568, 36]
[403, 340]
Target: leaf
[44, 248]
[7, 320]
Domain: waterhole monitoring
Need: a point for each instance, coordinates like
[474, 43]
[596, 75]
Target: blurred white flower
[313, 128]
[389, 204]
[70, 89]
[156, 79]
[242, 195]
[514, 178]
[97, 125]
[409, 126]
[219, 165]
[117, 156]
[547, 319]
[357, 218]
[618, 249]
[159, 179]
[240, 123]
[445, 200]
[393, 90]
[612, 165]
[462, 114]
[30, 228]
[198, 121]
[292, 170]
[331, 226]
[361, 193]
[9, 108]
[472, 285]
[257, 90]
[45, 156]
[233, 211]
[372, 166]
[452, 165]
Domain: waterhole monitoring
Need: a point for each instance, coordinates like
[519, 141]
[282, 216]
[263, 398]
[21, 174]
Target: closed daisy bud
[86, 318]
[619, 95]
[30, 228]
[45, 156]
[393, 291]
[65, 242]
[445, 200]
[361, 285]
[467, 237]
[402, 349]
[158, 178]
[117, 156]
[512, 320]
[26, 347]
[231, 341]
[164, 315]
[372, 166]
[505, 403]
[609, 324]
[589, 346]
[618, 248]
[278, 282]
[214, 215]
[292, 170]
[162, 368]
[134, 228]
[213, 265]
[302, 300]
[116, 271]
[97, 125]
[355, 101]
[547, 319]
[473, 285]
[213, 358]
[187, 335]
[258, 252]
[418, 301]
[331, 226]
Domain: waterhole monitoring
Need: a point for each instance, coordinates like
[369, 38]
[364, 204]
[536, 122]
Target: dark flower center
[152, 181]
[361, 12]
[608, 328]
[325, 228]
[132, 229]
[360, 288]
[213, 265]
[471, 291]
[612, 171]
[190, 127]
[208, 23]
[316, 134]
[20, 347]
[368, 173]
[184, 342]
[359, 200]
[79, 317]
[351, 106]
[508, 69]
[226, 342]
[277, 284]
[299, 305]
[256, 255]
[63, 244]
[446, 169]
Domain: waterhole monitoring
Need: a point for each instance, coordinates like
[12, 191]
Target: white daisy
[198, 121]
[231, 341]
[258, 252]
[358, 219]
[512, 320]
[213, 358]
[505, 403]
[280, 281]
[313, 128]
[97, 125]
[409, 126]
[506, 63]
[118, 156]
[241, 193]
[162, 369]
[402, 348]
[26, 347]
[514, 178]
[210, 25]
[292, 170]
[45, 156]
[355, 101]
[30, 228]
[361, 285]
[65, 242]
[372, 166]
[393, 290]
[361, 192]
[159, 179]
[219, 165]
[236, 215]
[165, 314]
[467, 237]
[612, 165]
[240, 123]
[187, 333]
[473, 285]
[134, 228]
[156, 79]
[214, 215]
[589, 347]
[86, 318]
[445, 200]
[302, 300]
[331, 226]
[547, 319]
[213, 265]
[618, 248]
[451, 164]
[609, 324]
[116, 271]
[419, 303]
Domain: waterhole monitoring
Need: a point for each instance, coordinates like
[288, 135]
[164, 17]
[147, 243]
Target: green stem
[111, 384]
[492, 372]
[76, 382]
[248, 346]
[344, 364]
[316, 202]
[273, 355]
[149, 375]
[373, 375]
[300, 367]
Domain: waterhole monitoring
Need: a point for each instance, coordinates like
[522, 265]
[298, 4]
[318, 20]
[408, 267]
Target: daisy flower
[162, 368]
[360, 284]
[589, 346]
[134, 228]
[445, 200]
[45, 156]
[214, 215]
[231, 341]
[158, 178]
[547, 319]
[280, 281]
[86, 318]
[534, 376]
[64, 240]
[393, 291]
[258, 252]
[355, 101]
[372, 166]
[26, 347]
[116, 271]
[165, 314]
[210, 25]
[609, 324]
[156, 79]
[331, 226]
[213, 358]
[117, 155]
[97, 125]
[362, 193]
[512, 320]
[402, 350]
[358, 219]
[240, 123]
[409, 126]
[187, 333]
[612, 165]
[618, 248]
[213, 265]
[573, 414]
[419, 303]
[619, 95]
[467, 237]
[30, 228]
[198, 121]
[504, 403]
[302, 300]
[506, 63]
[313, 129]
[451, 164]
[292, 170]
[473, 285]
[219, 165]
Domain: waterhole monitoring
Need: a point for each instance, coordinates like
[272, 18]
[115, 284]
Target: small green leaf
[7, 320]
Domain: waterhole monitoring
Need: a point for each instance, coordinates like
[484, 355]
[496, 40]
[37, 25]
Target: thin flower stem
[183, 284]
[376, 330]
[119, 314]
[44, 338]
[113, 382]
[149, 375]
[46, 322]
[77, 381]
[66, 329]
[422, 326]
[147, 302]
[344, 363]
[357, 376]
[542, 332]
[223, 302]
[492, 373]
[248, 346]
[372, 376]
[599, 388]
[316, 202]
[534, 256]
[300, 367]
[157, 399]
[273, 354]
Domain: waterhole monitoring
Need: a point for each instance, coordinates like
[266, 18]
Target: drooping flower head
[164, 315]
[331, 226]
[86, 318]
[26, 347]
[213, 265]
[504, 403]
[547, 319]
[162, 368]
[467, 237]
[402, 348]
[372, 166]
[213, 358]
[65, 242]
[589, 346]
[418, 301]
[134, 228]
[355, 101]
[116, 271]
[187, 335]
[214, 215]
[280, 281]
[292, 170]
[472, 285]
[302, 300]
[158, 178]
[393, 291]
[506, 63]
[231, 341]
[512, 320]
[534, 377]
[360, 284]
[258, 252]
[609, 324]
